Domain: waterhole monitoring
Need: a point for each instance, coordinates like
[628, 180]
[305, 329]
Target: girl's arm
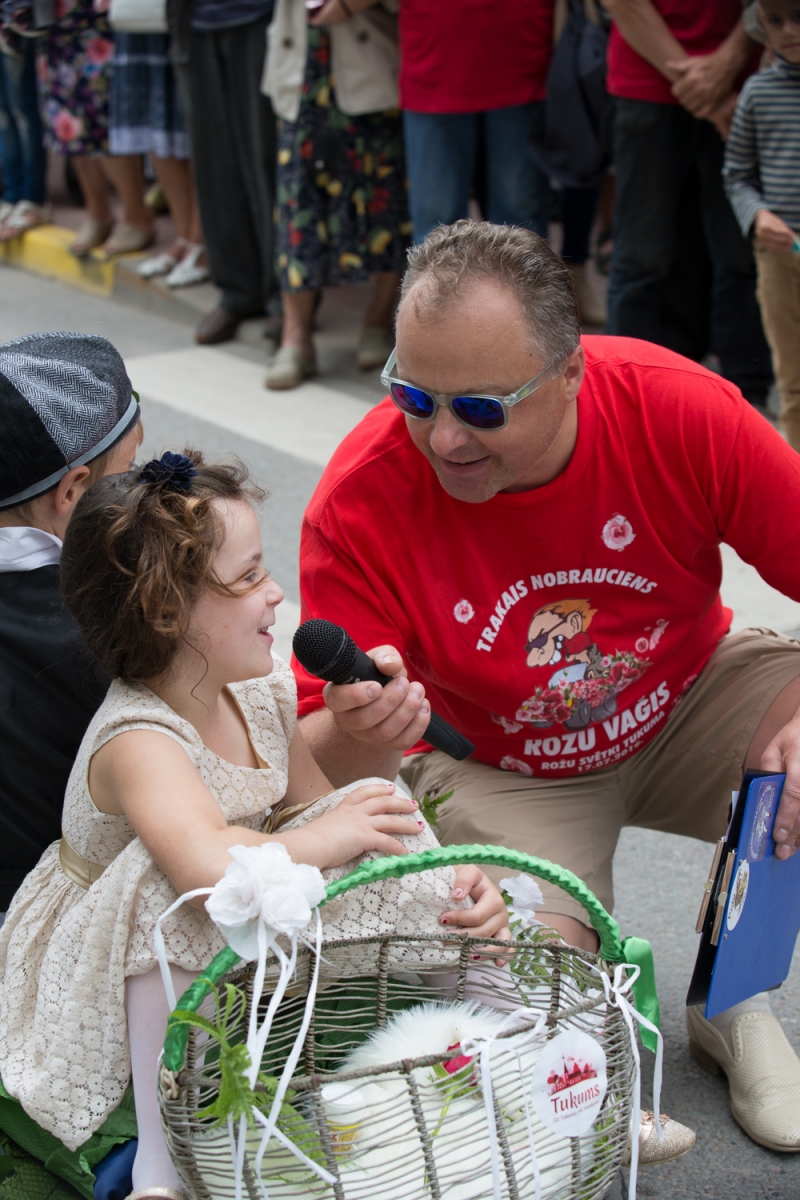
[150, 779]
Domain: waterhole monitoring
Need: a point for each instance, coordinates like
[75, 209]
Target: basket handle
[394, 867]
[632, 950]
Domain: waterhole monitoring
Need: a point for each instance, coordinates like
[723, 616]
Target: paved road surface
[214, 399]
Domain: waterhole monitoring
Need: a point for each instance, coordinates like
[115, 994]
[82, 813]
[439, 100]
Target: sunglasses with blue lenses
[476, 412]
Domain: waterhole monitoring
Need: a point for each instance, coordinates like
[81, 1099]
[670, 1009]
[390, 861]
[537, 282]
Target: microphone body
[327, 651]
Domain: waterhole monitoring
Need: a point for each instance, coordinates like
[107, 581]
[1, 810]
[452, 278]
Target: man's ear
[70, 490]
[574, 372]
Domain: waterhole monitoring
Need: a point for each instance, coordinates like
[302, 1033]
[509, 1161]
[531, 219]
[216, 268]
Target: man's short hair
[451, 255]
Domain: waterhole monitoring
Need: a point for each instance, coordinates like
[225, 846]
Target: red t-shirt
[459, 56]
[699, 25]
[558, 628]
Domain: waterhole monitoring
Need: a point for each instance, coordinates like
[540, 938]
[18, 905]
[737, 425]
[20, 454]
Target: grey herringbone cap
[65, 398]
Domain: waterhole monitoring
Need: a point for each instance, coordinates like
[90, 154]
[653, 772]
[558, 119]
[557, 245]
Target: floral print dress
[74, 70]
[343, 213]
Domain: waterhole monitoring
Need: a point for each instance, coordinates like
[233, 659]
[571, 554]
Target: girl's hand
[365, 820]
[488, 917]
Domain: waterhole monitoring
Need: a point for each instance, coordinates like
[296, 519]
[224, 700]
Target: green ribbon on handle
[639, 953]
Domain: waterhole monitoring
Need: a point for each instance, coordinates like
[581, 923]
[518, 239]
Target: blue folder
[751, 914]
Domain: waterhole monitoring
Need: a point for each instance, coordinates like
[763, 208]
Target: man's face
[479, 343]
[781, 21]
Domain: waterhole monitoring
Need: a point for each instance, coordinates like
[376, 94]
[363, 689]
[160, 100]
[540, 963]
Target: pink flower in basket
[99, 51]
[617, 532]
[508, 763]
[66, 127]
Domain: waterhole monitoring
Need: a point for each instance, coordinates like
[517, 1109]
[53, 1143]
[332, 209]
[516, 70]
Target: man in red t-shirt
[550, 586]
[682, 274]
[470, 75]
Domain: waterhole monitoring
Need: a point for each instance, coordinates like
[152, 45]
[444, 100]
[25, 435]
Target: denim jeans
[21, 150]
[682, 274]
[441, 151]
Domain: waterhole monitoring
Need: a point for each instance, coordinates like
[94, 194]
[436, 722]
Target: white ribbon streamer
[267, 931]
[482, 1049]
[616, 994]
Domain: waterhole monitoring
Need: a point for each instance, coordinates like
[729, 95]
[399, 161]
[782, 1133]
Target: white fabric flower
[526, 895]
[263, 884]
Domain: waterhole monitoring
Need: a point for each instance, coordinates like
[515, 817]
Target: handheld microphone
[327, 651]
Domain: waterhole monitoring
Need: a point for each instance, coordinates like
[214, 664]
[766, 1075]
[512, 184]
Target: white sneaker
[187, 271]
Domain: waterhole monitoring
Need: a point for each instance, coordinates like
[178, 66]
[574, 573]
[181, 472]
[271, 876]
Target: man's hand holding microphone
[369, 695]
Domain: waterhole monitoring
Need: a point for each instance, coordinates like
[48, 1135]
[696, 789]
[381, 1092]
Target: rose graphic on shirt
[509, 763]
[585, 683]
[504, 723]
[617, 532]
[463, 612]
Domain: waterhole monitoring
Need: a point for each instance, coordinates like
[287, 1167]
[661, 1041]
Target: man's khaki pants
[779, 296]
[681, 782]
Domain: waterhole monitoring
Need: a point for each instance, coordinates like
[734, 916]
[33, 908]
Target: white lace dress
[65, 951]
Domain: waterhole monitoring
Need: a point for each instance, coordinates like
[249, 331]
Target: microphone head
[324, 649]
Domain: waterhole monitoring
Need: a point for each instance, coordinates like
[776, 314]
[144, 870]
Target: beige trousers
[681, 782]
[779, 296]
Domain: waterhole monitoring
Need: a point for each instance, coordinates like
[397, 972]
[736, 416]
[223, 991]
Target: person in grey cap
[68, 415]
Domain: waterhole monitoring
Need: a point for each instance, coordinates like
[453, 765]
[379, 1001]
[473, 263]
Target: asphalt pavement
[214, 400]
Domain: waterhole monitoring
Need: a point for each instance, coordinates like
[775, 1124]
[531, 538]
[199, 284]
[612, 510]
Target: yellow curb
[45, 250]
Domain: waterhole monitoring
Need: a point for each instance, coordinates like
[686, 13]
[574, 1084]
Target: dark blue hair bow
[174, 469]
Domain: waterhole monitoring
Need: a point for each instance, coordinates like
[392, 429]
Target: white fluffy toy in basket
[508, 1082]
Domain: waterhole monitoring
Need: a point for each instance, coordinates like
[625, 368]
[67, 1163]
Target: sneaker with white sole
[763, 1074]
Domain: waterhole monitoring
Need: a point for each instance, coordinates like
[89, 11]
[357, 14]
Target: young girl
[194, 746]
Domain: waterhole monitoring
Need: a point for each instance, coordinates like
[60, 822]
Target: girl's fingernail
[415, 803]
[458, 893]
[421, 824]
[444, 920]
[477, 957]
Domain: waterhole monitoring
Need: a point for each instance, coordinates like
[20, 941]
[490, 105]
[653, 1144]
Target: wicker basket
[420, 1141]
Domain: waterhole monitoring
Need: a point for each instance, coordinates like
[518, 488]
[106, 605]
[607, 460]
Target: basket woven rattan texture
[426, 1138]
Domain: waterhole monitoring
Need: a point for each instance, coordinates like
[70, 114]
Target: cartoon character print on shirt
[584, 682]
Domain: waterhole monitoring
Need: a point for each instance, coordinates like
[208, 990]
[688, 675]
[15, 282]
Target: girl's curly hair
[138, 554]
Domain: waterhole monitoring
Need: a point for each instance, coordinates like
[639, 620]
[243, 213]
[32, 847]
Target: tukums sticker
[568, 1083]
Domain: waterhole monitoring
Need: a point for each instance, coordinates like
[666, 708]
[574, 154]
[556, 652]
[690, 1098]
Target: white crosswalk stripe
[307, 422]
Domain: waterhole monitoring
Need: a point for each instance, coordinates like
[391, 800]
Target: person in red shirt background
[551, 587]
[472, 69]
[682, 274]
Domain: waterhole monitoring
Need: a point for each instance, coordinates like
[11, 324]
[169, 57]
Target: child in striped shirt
[762, 181]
